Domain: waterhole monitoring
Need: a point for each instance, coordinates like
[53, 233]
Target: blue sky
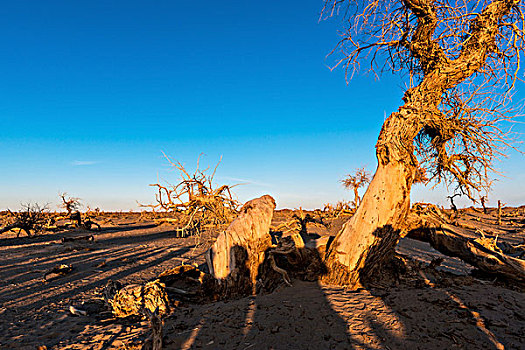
[93, 91]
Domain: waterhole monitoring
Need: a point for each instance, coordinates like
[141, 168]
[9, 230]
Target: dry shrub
[197, 199]
[32, 218]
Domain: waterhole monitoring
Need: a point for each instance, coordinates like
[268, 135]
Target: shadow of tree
[412, 307]
[25, 295]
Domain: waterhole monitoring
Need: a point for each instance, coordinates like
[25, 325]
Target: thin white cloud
[83, 162]
[246, 181]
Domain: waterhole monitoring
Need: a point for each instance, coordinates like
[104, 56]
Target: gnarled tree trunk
[368, 238]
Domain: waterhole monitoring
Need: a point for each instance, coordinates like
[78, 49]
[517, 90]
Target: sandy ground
[443, 308]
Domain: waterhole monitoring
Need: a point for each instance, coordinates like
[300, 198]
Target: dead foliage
[198, 202]
[32, 219]
[155, 299]
[134, 299]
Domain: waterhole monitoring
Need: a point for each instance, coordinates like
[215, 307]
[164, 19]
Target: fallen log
[427, 224]
[75, 239]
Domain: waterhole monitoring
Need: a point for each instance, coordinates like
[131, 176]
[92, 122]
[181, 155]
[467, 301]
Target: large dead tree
[462, 60]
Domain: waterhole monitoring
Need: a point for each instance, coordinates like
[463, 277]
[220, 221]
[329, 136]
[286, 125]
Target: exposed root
[283, 273]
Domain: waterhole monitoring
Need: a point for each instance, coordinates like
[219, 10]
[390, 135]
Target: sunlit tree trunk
[368, 238]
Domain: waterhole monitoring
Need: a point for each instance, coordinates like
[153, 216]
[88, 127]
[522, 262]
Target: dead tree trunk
[499, 213]
[357, 199]
[368, 238]
[236, 255]
[483, 199]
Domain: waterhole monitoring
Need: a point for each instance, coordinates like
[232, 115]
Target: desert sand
[425, 307]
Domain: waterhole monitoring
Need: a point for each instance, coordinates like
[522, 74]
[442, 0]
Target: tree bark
[368, 238]
[236, 255]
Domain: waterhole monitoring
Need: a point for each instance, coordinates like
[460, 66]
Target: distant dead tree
[196, 197]
[31, 218]
[452, 204]
[70, 204]
[354, 182]
[483, 201]
[462, 60]
[500, 205]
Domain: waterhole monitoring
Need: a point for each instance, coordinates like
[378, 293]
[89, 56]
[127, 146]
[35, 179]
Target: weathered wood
[499, 213]
[238, 252]
[460, 145]
[75, 239]
[134, 299]
[429, 227]
[447, 241]
[368, 238]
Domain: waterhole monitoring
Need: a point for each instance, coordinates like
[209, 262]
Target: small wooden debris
[59, 270]
[77, 312]
[81, 238]
[156, 328]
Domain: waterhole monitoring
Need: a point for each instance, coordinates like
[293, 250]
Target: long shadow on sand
[419, 309]
[312, 316]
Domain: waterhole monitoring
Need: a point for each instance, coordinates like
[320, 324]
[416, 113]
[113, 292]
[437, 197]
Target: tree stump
[236, 255]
